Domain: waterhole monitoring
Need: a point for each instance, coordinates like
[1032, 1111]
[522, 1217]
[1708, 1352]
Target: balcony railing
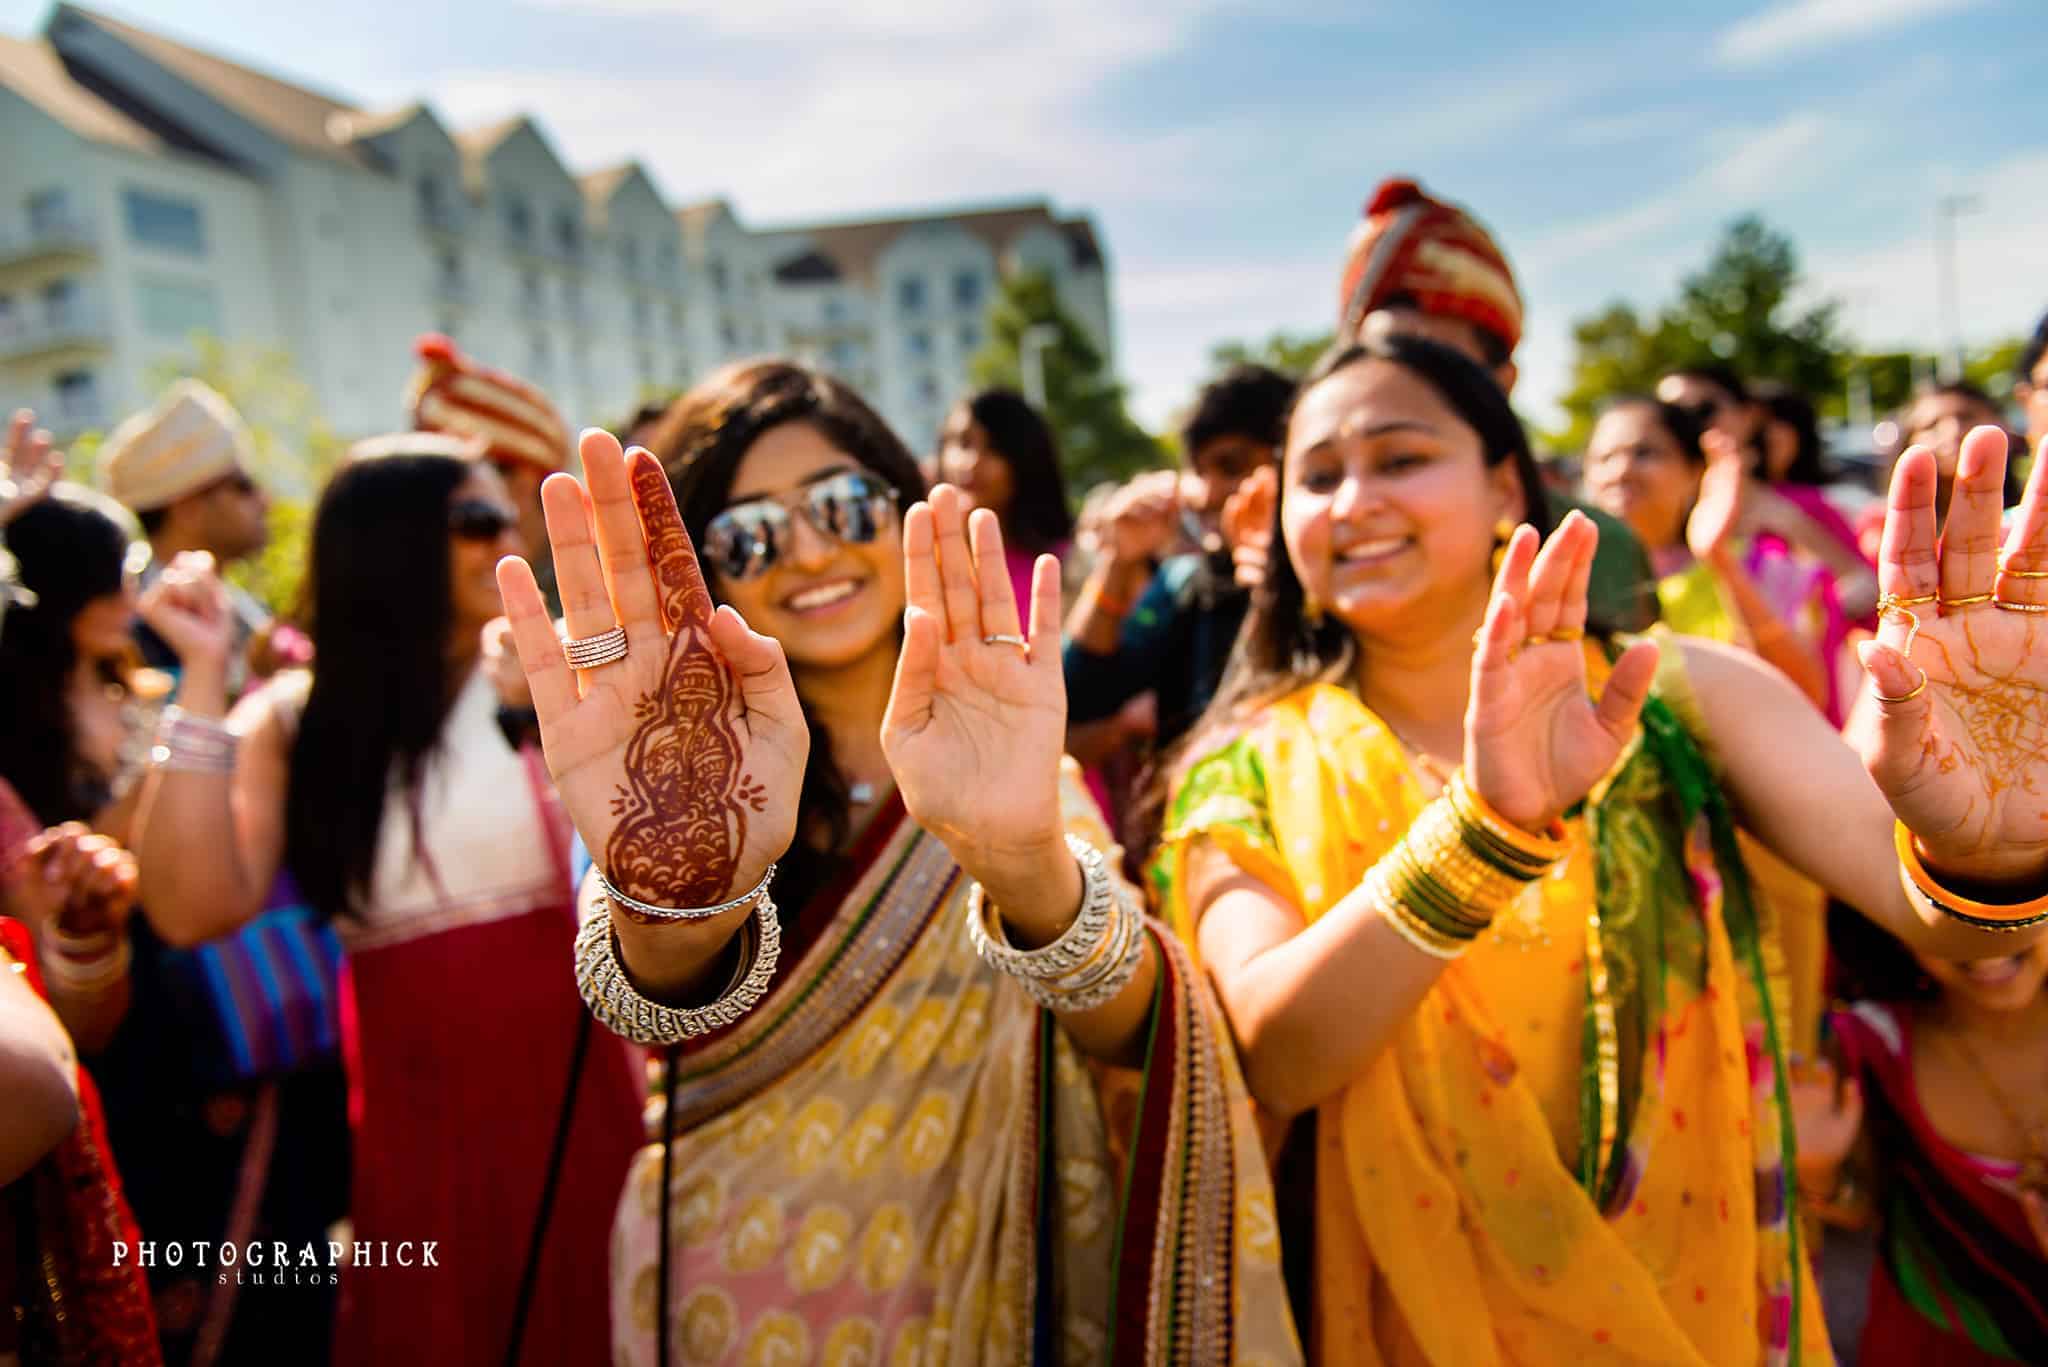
[51, 237]
[73, 327]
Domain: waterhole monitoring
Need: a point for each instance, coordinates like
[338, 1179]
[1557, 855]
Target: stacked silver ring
[588, 652]
[192, 744]
[651, 912]
[620, 1007]
[1090, 963]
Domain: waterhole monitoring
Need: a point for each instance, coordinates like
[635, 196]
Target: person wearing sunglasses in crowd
[183, 468]
[514, 425]
[486, 1116]
[841, 876]
[1466, 873]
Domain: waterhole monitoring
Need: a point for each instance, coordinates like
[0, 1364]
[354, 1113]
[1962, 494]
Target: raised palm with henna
[682, 808]
[680, 763]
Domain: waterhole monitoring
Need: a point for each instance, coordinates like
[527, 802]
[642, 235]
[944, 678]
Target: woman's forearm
[194, 882]
[38, 1077]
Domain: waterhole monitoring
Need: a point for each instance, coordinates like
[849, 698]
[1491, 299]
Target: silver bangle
[94, 973]
[1102, 986]
[622, 1009]
[192, 744]
[655, 913]
[1074, 946]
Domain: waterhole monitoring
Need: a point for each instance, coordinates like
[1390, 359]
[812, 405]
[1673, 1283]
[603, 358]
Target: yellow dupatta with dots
[1576, 1148]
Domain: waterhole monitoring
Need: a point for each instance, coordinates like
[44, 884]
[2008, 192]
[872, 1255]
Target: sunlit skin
[785, 600]
[1636, 470]
[969, 462]
[1939, 422]
[2033, 396]
[1387, 502]
[1738, 420]
[1213, 473]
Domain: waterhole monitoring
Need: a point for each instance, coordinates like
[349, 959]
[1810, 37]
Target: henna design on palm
[682, 810]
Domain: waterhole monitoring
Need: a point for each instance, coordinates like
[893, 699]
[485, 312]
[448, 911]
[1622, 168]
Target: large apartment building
[152, 191]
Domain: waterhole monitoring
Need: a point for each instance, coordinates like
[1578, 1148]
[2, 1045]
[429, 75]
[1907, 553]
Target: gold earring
[1312, 611]
[1503, 532]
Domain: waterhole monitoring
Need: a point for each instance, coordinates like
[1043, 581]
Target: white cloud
[1789, 30]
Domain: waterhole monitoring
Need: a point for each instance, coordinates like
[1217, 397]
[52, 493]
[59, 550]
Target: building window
[49, 211]
[448, 272]
[434, 204]
[920, 343]
[572, 300]
[927, 390]
[970, 337]
[530, 292]
[78, 396]
[843, 354]
[177, 308]
[665, 260]
[61, 306]
[967, 290]
[729, 335]
[629, 255]
[835, 309]
[165, 223]
[568, 232]
[910, 294]
[518, 219]
[720, 278]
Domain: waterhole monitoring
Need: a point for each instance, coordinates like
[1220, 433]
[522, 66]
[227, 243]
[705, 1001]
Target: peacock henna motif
[682, 811]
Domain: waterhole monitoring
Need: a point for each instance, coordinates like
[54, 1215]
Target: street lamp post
[1947, 293]
[1031, 360]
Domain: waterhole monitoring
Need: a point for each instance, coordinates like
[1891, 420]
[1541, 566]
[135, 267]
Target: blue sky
[1225, 149]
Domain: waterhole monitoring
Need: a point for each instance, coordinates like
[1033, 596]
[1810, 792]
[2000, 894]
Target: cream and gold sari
[897, 1158]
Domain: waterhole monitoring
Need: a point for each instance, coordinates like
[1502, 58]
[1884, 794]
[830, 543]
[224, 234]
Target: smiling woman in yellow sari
[1466, 875]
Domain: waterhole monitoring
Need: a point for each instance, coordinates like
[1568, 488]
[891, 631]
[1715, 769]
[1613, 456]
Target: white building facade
[152, 191]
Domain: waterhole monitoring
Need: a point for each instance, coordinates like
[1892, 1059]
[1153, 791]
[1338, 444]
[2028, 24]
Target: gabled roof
[358, 127]
[479, 143]
[291, 113]
[599, 186]
[854, 246]
[694, 217]
[32, 69]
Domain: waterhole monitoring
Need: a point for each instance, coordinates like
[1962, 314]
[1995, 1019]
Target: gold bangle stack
[1460, 865]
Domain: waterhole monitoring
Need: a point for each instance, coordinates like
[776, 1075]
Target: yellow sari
[898, 1159]
[1576, 1148]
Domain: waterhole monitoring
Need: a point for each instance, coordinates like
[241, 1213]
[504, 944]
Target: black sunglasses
[479, 519]
[745, 540]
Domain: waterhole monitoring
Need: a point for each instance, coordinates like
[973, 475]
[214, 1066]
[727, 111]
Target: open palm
[1535, 741]
[976, 724]
[681, 763]
[1964, 759]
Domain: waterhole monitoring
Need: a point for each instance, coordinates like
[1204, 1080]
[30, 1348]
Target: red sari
[67, 1300]
[462, 1029]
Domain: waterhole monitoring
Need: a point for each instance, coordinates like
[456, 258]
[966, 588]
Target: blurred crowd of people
[298, 1068]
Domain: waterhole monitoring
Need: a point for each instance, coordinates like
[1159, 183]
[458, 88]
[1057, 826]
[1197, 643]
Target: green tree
[1290, 353]
[1738, 310]
[1098, 439]
[293, 451]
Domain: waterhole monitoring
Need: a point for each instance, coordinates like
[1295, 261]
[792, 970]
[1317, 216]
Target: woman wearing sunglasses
[845, 885]
[486, 1118]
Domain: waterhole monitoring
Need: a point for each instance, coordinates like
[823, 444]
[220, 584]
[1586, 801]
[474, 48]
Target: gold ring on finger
[1912, 620]
[1915, 691]
[2012, 573]
[1888, 601]
[2019, 607]
[1969, 601]
[1005, 638]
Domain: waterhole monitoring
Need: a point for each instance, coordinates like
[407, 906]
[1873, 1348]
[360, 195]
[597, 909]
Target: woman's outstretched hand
[681, 763]
[1535, 740]
[977, 719]
[1958, 735]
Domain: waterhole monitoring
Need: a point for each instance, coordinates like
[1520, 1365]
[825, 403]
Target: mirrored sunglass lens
[849, 506]
[477, 521]
[743, 542]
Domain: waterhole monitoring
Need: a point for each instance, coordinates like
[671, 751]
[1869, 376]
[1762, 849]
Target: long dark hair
[1783, 403]
[701, 442]
[71, 549]
[1038, 518]
[1278, 650]
[378, 606]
